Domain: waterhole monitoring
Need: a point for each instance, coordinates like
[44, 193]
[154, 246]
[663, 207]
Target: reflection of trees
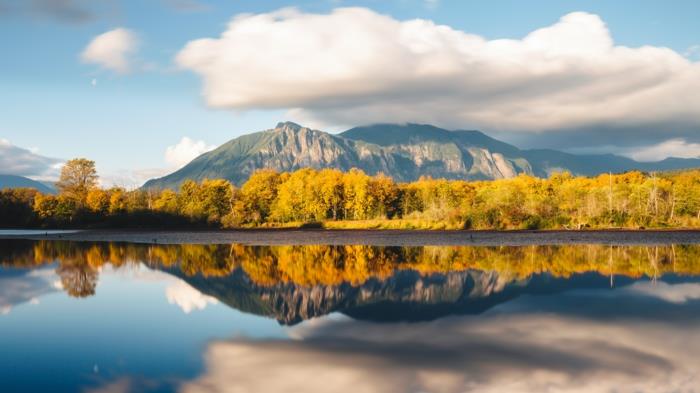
[354, 264]
[78, 280]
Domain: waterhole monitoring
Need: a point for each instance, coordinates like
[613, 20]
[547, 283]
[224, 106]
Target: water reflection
[561, 347]
[359, 318]
[296, 283]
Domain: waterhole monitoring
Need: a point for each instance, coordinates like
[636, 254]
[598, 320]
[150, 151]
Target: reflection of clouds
[177, 292]
[22, 286]
[507, 350]
[138, 272]
[187, 298]
[121, 385]
[672, 293]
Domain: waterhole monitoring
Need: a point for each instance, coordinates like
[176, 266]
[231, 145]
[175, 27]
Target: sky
[143, 86]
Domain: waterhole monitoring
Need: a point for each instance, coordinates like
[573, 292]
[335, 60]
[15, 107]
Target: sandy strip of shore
[375, 237]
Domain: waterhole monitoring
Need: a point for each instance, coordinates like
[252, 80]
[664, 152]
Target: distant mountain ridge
[14, 181]
[404, 152]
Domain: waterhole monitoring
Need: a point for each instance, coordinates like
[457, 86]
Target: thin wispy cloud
[74, 12]
[693, 52]
[188, 5]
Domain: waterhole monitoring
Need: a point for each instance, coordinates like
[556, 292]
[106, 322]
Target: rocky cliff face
[289, 146]
[404, 152]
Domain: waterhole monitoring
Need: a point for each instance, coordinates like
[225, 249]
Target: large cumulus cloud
[356, 66]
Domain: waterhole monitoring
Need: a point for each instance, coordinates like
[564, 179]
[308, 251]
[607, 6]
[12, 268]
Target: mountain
[405, 152]
[13, 181]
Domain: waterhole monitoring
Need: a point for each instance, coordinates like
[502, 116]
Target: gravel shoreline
[374, 237]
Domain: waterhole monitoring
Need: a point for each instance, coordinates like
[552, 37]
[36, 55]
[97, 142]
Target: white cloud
[187, 298]
[112, 50]
[15, 160]
[176, 156]
[185, 151]
[378, 69]
[676, 147]
[120, 385]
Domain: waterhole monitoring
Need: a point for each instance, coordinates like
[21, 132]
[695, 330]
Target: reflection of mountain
[405, 296]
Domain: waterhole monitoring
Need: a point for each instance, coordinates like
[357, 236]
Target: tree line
[354, 199]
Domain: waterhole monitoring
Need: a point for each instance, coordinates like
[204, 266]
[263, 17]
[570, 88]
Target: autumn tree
[117, 200]
[299, 198]
[97, 201]
[385, 196]
[257, 195]
[78, 177]
[330, 190]
[357, 198]
[45, 206]
[166, 202]
[216, 197]
[17, 206]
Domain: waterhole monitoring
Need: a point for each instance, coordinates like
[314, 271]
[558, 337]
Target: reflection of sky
[146, 330]
[575, 342]
[20, 286]
[128, 328]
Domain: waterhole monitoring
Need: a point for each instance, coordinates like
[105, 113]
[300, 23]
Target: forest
[330, 198]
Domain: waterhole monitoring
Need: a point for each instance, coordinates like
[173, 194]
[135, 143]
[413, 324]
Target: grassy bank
[417, 224]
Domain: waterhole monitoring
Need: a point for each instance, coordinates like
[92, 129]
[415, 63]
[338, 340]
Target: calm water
[117, 317]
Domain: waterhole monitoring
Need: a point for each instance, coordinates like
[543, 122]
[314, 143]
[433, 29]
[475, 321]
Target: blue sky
[58, 105]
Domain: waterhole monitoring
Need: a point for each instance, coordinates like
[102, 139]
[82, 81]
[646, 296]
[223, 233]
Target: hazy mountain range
[13, 181]
[405, 152]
